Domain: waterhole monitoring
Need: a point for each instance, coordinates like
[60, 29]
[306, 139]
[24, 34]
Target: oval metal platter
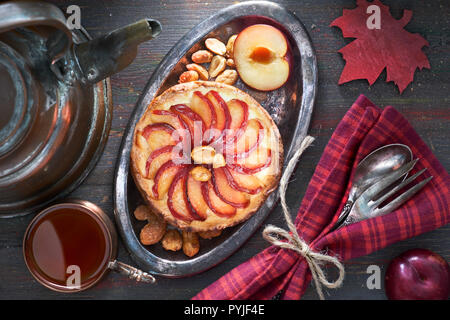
[290, 106]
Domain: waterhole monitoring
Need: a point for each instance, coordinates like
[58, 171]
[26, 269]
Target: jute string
[275, 235]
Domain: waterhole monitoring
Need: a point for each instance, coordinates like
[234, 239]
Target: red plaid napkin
[364, 128]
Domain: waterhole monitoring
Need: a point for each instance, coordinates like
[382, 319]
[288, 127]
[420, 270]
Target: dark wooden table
[425, 103]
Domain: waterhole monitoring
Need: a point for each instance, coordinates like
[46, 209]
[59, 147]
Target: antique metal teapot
[55, 101]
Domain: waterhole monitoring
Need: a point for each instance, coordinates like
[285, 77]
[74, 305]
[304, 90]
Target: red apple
[418, 274]
[260, 55]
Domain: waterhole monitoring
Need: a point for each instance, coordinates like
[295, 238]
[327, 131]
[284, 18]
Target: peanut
[200, 173]
[230, 63]
[188, 76]
[172, 240]
[191, 245]
[219, 161]
[202, 72]
[142, 213]
[215, 46]
[202, 56]
[210, 234]
[218, 64]
[203, 154]
[228, 77]
[153, 231]
[230, 46]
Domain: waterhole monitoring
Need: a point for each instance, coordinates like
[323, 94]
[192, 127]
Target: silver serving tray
[290, 107]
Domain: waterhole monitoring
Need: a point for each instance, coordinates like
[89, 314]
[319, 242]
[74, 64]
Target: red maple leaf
[390, 47]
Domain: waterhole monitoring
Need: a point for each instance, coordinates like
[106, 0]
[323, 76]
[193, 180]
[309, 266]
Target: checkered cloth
[364, 128]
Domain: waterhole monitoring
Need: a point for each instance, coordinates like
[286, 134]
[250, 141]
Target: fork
[368, 203]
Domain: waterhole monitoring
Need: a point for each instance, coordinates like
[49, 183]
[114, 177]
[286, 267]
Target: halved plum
[219, 207]
[164, 177]
[257, 160]
[226, 192]
[195, 197]
[243, 182]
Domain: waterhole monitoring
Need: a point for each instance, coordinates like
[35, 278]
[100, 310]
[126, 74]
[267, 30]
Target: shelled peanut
[219, 56]
[156, 231]
[155, 228]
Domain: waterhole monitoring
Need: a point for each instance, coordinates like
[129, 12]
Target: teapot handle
[22, 14]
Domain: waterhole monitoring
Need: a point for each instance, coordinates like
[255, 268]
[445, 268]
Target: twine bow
[274, 234]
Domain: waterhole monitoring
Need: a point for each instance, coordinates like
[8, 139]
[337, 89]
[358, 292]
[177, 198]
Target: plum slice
[223, 117]
[164, 177]
[257, 160]
[248, 141]
[157, 158]
[157, 136]
[226, 192]
[194, 122]
[204, 108]
[217, 205]
[168, 117]
[177, 201]
[239, 116]
[243, 182]
[195, 197]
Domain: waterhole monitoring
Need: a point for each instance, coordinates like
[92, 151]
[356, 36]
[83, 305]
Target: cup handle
[131, 272]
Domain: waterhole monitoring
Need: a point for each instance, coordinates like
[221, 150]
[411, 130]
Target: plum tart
[205, 156]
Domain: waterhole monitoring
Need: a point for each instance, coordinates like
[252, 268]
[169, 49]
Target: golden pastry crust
[269, 176]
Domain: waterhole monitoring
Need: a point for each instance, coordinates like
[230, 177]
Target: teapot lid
[18, 103]
[17, 114]
[52, 129]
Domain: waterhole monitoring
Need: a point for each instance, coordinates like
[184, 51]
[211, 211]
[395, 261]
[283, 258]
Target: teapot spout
[104, 56]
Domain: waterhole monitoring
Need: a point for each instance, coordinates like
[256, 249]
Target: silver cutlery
[373, 168]
[369, 203]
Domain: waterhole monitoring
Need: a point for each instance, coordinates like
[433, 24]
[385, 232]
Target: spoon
[371, 169]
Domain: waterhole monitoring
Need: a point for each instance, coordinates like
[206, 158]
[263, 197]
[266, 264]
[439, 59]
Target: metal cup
[110, 254]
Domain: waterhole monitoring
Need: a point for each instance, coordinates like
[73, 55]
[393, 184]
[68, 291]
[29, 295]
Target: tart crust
[181, 94]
